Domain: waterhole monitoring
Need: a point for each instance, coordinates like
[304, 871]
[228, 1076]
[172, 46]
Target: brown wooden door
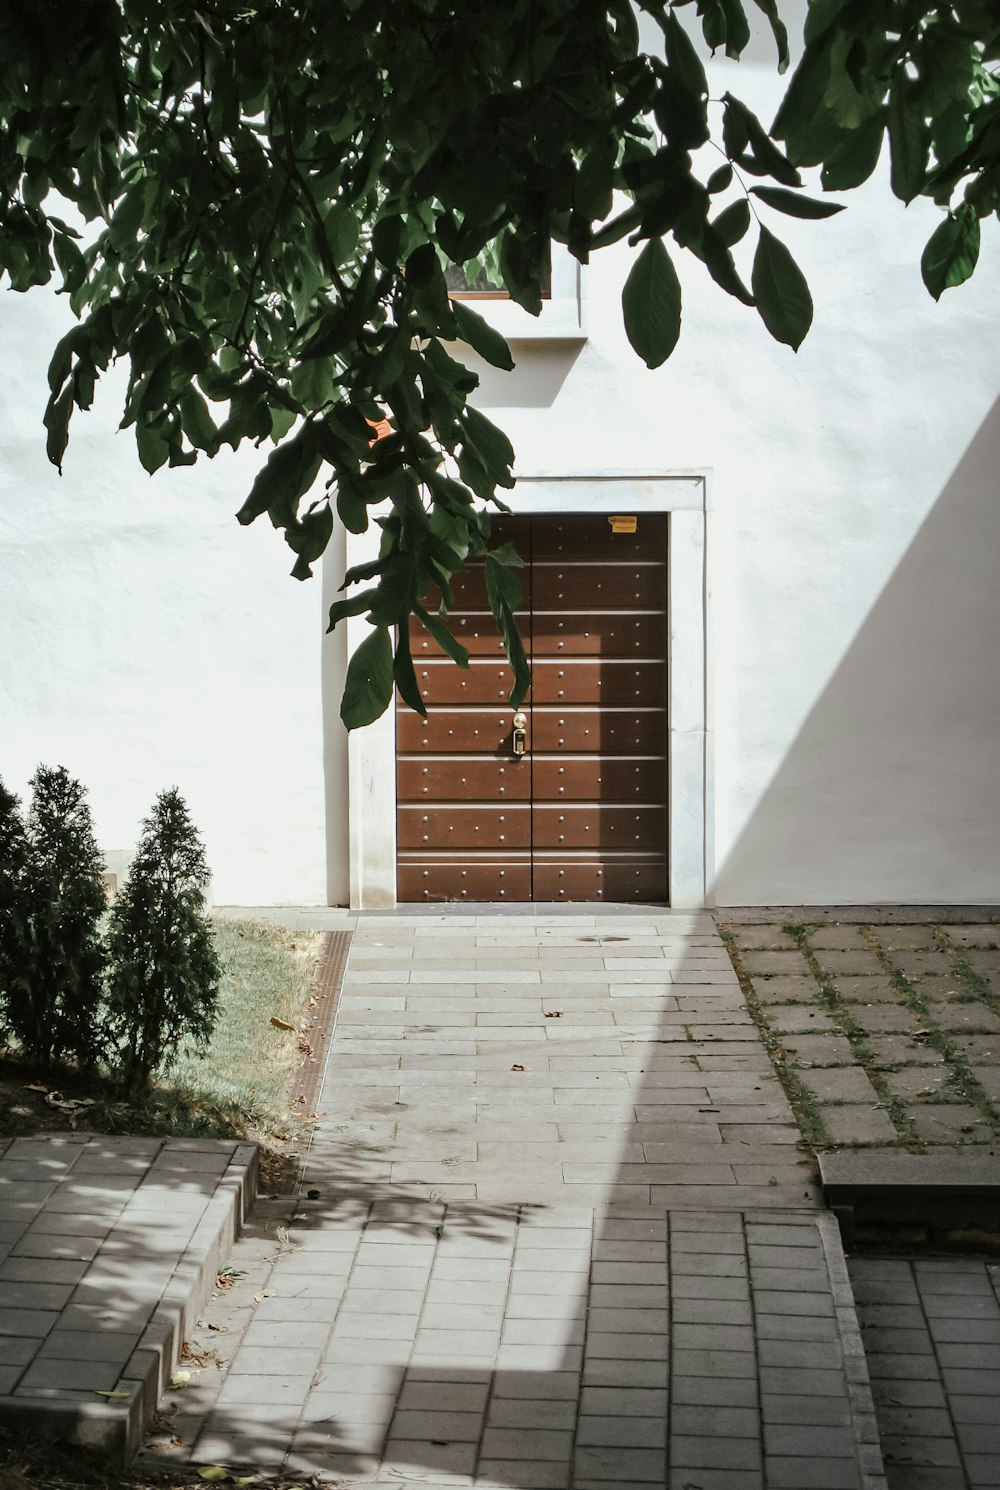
[583, 814]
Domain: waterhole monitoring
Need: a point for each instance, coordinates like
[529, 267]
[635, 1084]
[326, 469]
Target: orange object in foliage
[382, 429]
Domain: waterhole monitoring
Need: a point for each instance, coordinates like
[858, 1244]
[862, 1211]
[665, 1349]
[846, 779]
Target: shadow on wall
[542, 369]
[902, 751]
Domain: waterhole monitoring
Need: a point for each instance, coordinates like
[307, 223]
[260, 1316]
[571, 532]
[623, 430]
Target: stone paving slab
[930, 1325]
[518, 1347]
[107, 1248]
[556, 1229]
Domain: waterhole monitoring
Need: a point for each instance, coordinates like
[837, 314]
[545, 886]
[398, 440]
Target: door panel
[438, 778]
[448, 828]
[582, 815]
[605, 881]
[609, 731]
[585, 587]
[598, 682]
[593, 779]
[482, 682]
[591, 826]
[608, 635]
[431, 880]
[459, 730]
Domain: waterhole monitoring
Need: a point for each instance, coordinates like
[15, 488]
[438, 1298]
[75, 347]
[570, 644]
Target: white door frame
[690, 723]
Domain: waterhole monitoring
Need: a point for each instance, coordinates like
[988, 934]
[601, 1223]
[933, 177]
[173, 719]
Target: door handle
[520, 740]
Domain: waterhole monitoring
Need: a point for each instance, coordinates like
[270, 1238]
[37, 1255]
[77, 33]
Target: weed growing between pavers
[844, 1021]
[957, 1050]
[975, 987]
[963, 1077]
[800, 1098]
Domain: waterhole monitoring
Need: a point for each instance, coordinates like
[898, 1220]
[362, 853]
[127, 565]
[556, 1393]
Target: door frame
[371, 752]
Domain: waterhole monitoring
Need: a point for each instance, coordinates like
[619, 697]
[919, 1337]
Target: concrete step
[946, 1198]
[110, 1248]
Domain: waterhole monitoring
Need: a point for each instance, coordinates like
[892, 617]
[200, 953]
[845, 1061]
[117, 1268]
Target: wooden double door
[582, 813]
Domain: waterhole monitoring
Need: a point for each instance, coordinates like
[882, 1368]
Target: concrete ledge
[947, 1197]
[112, 1414]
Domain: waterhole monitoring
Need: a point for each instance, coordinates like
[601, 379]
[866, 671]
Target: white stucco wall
[149, 641]
[855, 537]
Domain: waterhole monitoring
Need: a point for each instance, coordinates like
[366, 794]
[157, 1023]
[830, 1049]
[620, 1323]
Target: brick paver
[106, 1245]
[931, 1328]
[556, 1229]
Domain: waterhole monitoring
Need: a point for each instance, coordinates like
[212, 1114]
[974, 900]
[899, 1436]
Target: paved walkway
[556, 1231]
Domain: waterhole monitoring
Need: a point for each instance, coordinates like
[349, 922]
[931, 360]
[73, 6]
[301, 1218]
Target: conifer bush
[53, 1001]
[164, 971]
[13, 924]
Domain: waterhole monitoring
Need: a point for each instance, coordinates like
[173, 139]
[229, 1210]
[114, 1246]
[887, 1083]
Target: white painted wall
[854, 539]
[148, 641]
[855, 544]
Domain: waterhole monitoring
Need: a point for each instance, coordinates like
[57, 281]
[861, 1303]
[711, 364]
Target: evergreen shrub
[53, 1001]
[164, 971]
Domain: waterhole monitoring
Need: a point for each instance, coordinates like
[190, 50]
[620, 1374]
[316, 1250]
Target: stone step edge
[116, 1428]
[867, 1444]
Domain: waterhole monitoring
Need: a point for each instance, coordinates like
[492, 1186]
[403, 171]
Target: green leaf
[780, 291]
[759, 154]
[152, 445]
[481, 337]
[952, 251]
[213, 1472]
[795, 120]
[683, 61]
[737, 28]
[506, 553]
[504, 591]
[733, 221]
[56, 421]
[593, 191]
[492, 445]
[309, 538]
[855, 158]
[442, 636]
[368, 687]
[287, 474]
[404, 675]
[795, 205]
[719, 180]
[651, 304]
[909, 139]
[351, 605]
[72, 264]
[770, 9]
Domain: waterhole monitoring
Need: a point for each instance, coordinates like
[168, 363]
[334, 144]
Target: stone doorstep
[945, 1186]
[116, 1427]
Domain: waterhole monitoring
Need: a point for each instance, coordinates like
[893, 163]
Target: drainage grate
[307, 1083]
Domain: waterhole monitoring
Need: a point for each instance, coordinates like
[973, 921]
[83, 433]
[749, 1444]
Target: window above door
[562, 316]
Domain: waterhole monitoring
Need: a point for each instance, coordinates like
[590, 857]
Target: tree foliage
[13, 908]
[164, 972]
[55, 960]
[274, 193]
